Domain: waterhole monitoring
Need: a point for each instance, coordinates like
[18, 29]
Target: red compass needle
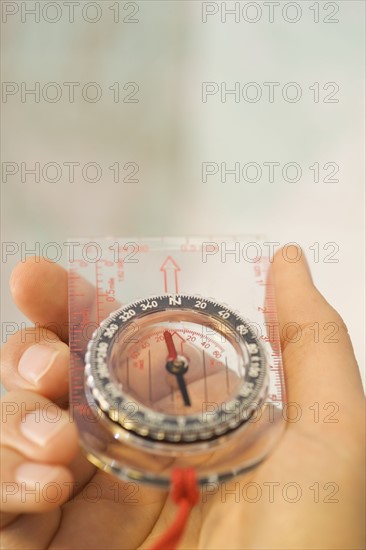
[170, 345]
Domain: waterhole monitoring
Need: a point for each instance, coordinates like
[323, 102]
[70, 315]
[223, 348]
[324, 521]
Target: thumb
[317, 352]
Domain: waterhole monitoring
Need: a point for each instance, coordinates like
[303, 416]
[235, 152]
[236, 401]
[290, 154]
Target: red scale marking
[158, 333]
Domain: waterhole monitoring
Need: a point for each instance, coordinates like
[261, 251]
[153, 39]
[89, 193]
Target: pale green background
[170, 132]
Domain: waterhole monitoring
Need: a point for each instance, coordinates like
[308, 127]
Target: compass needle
[170, 345]
[183, 389]
[178, 368]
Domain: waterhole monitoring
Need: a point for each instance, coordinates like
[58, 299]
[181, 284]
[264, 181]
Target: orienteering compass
[175, 374]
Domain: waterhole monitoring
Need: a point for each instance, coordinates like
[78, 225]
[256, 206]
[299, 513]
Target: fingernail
[41, 428]
[36, 361]
[33, 474]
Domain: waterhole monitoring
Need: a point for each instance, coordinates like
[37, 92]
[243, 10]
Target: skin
[308, 453]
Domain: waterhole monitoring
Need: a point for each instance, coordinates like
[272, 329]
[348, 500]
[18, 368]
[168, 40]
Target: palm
[108, 519]
[114, 508]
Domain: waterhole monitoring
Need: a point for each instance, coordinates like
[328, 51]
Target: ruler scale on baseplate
[186, 362]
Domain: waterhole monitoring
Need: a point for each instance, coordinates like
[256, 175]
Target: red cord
[184, 492]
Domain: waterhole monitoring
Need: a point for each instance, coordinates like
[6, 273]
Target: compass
[175, 372]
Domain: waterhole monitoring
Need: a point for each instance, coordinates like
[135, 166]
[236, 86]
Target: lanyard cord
[184, 492]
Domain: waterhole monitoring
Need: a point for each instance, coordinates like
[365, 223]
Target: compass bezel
[115, 404]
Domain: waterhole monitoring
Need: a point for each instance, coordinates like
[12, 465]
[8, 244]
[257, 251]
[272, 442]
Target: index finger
[40, 290]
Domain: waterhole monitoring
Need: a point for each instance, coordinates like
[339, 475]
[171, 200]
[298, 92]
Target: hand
[309, 452]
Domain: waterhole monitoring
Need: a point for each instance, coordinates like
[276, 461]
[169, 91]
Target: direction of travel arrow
[170, 270]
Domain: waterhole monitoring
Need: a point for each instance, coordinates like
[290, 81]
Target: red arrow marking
[183, 341]
[170, 269]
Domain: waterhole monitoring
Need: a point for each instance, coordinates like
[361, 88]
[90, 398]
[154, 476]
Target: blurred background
[140, 87]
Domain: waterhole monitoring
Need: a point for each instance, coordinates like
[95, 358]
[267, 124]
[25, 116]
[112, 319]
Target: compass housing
[133, 416]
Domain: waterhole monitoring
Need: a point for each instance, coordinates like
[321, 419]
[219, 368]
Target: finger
[36, 359]
[38, 442]
[40, 290]
[28, 486]
[317, 351]
[37, 428]
[17, 496]
[31, 531]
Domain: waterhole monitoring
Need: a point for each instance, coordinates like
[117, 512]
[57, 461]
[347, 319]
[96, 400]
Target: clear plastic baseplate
[106, 274]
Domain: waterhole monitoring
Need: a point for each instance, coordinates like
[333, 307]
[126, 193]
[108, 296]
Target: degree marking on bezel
[173, 428]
